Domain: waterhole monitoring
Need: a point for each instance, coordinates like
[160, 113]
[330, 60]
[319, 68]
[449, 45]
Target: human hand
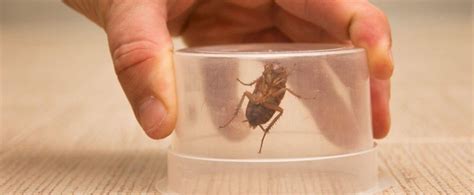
[141, 48]
[139, 34]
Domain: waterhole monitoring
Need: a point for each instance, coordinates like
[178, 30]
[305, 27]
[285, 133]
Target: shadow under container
[322, 143]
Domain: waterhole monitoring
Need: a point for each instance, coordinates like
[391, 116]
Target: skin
[139, 35]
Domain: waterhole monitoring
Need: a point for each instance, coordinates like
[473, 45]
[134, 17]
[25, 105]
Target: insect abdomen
[257, 114]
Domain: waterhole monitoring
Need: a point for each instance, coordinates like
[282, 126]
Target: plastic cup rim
[213, 51]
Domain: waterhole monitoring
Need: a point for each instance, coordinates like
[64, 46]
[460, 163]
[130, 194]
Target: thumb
[141, 49]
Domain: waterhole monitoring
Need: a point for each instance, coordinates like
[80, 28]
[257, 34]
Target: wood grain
[66, 126]
[430, 168]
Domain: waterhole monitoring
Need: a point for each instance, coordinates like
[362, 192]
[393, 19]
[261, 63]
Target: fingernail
[152, 113]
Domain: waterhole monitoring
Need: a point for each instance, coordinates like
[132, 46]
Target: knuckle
[378, 13]
[131, 54]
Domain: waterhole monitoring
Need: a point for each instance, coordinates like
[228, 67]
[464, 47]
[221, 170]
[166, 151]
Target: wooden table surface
[66, 126]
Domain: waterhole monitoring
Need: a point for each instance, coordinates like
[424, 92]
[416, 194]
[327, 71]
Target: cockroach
[264, 101]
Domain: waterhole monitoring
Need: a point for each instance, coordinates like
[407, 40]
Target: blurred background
[58, 87]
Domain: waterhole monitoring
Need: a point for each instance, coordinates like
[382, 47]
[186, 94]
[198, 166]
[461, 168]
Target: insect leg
[246, 94]
[276, 108]
[280, 91]
[247, 84]
[261, 127]
[272, 107]
[261, 142]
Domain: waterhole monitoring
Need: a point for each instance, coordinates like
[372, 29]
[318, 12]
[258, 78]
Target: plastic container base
[347, 173]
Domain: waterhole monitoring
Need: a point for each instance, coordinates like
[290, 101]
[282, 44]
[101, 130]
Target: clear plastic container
[321, 141]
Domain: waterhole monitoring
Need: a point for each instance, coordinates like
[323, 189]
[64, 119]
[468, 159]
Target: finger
[250, 3]
[220, 81]
[178, 15]
[299, 30]
[218, 23]
[141, 49]
[270, 35]
[347, 110]
[93, 10]
[380, 96]
[359, 21]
